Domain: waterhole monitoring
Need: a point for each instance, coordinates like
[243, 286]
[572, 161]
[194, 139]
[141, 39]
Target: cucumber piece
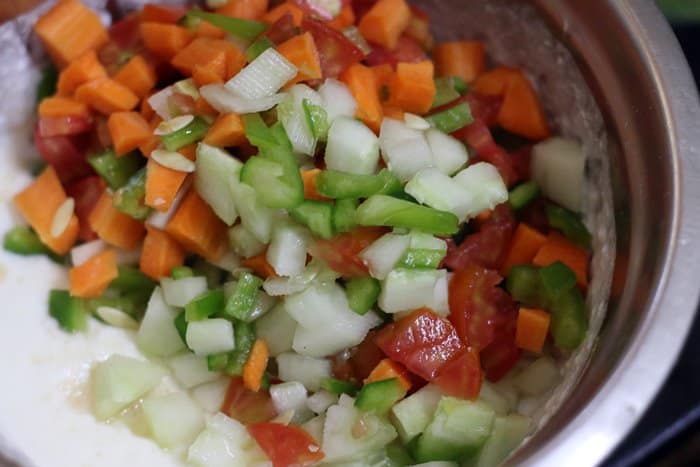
[225, 443]
[490, 395]
[558, 167]
[362, 294]
[157, 334]
[507, 434]
[435, 189]
[215, 171]
[410, 289]
[255, 216]
[210, 396]
[383, 255]
[411, 415]
[180, 292]
[351, 147]
[191, 370]
[244, 243]
[306, 370]
[380, 396]
[120, 381]
[277, 328]
[174, 420]
[458, 430]
[210, 336]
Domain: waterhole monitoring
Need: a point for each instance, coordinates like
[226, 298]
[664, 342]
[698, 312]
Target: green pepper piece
[180, 323]
[380, 396]
[445, 91]
[557, 279]
[70, 312]
[217, 362]
[523, 194]
[47, 83]
[131, 279]
[362, 293]
[382, 210]
[181, 272]
[525, 286]
[193, 132]
[130, 198]
[421, 258]
[24, 241]
[334, 184]
[344, 215]
[569, 321]
[338, 386]
[242, 302]
[452, 119]
[316, 215]
[205, 305]
[317, 119]
[116, 171]
[569, 224]
[244, 335]
[242, 28]
[260, 45]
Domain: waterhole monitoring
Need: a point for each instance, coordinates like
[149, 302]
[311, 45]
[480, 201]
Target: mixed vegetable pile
[347, 245]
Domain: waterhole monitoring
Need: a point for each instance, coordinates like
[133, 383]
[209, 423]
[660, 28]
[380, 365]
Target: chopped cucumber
[306, 370]
[413, 414]
[157, 334]
[507, 434]
[215, 172]
[277, 328]
[382, 256]
[351, 147]
[225, 443]
[558, 166]
[180, 292]
[210, 336]
[538, 377]
[191, 370]
[174, 420]
[410, 289]
[210, 396]
[490, 395]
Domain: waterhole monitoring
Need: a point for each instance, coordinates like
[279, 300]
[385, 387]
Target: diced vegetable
[241, 303]
[306, 370]
[190, 370]
[538, 377]
[224, 100]
[485, 185]
[344, 185]
[193, 132]
[215, 172]
[382, 210]
[254, 368]
[405, 150]
[263, 77]
[210, 336]
[129, 198]
[558, 168]
[157, 335]
[277, 328]
[380, 396]
[182, 291]
[362, 294]
[205, 305]
[338, 101]
[210, 396]
[523, 194]
[287, 250]
[432, 187]
[173, 420]
[569, 224]
[409, 289]
[452, 119]
[244, 243]
[290, 397]
[286, 444]
[242, 28]
[383, 255]
[24, 241]
[413, 414]
[244, 334]
[344, 215]
[255, 216]
[532, 329]
[338, 387]
[317, 216]
[69, 312]
[224, 442]
[116, 171]
[506, 435]
[351, 147]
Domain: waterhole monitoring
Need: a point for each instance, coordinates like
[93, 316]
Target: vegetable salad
[347, 245]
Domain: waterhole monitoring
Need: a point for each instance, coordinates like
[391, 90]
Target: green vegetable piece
[47, 83]
[557, 279]
[380, 396]
[445, 91]
[421, 258]
[569, 224]
[217, 362]
[181, 325]
[116, 171]
[452, 119]
[523, 194]
[70, 312]
[569, 320]
[181, 272]
[382, 210]
[244, 335]
[131, 279]
[525, 286]
[317, 119]
[242, 302]
[245, 29]
[207, 304]
[258, 134]
[338, 386]
[334, 184]
[192, 133]
[24, 241]
[460, 85]
[362, 293]
[130, 198]
[344, 215]
[258, 47]
[316, 215]
[398, 455]
[276, 187]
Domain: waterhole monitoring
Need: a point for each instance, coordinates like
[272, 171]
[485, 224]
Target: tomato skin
[335, 50]
[286, 445]
[341, 252]
[64, 126]
[461, 377]
[282, 30]
[408, 50]
[501, 355]
[478, 136]
[247, 406]
[65, 153]
[86, 192]
[422, 341]
[484, 108]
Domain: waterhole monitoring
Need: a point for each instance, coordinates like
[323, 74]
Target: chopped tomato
[65, 153]
[501, 355]
[479, 310]
[488, 246]
[86, 192]
[124, 43]
[461, 377]
[484, 108]
[64, 126]
[407, 51]
[341, 252]
[422, 341]
[335, 50]
[521, 161]
[361, 360]
[282, 30]
[535, 215]
[247, 406]
[286, 445]
[478, 136]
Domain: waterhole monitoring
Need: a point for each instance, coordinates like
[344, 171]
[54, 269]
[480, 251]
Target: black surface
[669, 432]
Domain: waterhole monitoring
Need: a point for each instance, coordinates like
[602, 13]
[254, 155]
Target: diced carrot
[203, 108]
[113, 226]
[345, 18]
[227, 130]
[394, 112]
[524, 246]
[81, 70]
[162, 185]
[388, 369]
[202, 52]
[521, 112]
[385, 21]
[302, 52]
[106, 96]
[383, 75]
[165, 40]
[203, 76]
[128, 130]
[170, 14]
[282, 9]
[254, 368]
[413, 87]
[466, 59]
[154, 141]
[245, 9]
[558, 248]
[58, 106]
[494, 82]
[531, 329]
[146, 110]
[235, 60]
[160, 254]
[198, 228]
[68, 30]
[189, 151]
[38, 204]
[92, 278]
[260, 266]
[137, 75]
[206, 29]
[310, 191]
[362, 84]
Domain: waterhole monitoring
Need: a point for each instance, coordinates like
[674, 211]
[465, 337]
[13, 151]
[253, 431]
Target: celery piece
[244, 29]
[569, 223]
[338, 386]
[316, 215]
[334, 184]
[130, 198]
[244, 336]
[380, 396]
[452, 119]
[116, 171]
[362, 293]
[445, 91]
[242, 302]
[256, 48]
[344, 215]
[70, 312]
[382, 210]
[192, 133]
[205, 305]
[523, 194]
[181, 272]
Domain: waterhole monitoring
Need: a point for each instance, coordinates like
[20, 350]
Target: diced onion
[337, 100]
[382, 255]
[404, 149]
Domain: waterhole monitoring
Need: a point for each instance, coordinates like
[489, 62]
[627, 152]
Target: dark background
[669, 433]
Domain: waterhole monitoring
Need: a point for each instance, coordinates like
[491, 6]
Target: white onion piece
[226, 102]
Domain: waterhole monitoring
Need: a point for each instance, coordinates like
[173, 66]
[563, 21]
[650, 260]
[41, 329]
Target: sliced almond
[116, 317]
[62, 218]
[170, 126]
[187, 87]
[173, 160]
